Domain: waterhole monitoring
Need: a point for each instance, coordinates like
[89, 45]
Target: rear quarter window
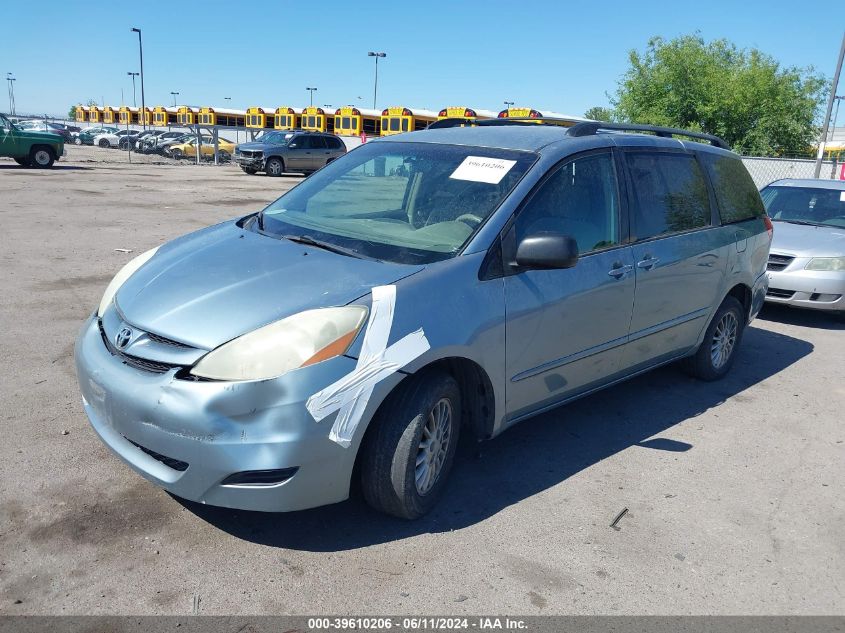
[736, 195]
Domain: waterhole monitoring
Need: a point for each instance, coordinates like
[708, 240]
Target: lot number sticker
[480, 169]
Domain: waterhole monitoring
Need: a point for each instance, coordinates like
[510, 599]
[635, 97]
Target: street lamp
[175, 94]
[311, 90]
[837, 98]
[141, 54]
[133, 75]
[375, 87]
[508, 104]
[10, 81]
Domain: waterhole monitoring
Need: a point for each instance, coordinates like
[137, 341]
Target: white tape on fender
[349, 395]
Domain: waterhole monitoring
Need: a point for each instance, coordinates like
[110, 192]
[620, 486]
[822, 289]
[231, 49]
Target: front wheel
[41, 157]
[407, 456]
[77, 141]
[104, 143]
[274, 167]
[717, 352]
[176, 154]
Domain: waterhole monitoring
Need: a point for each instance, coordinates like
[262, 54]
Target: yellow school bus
[164, 116]
[109, 115]
[94, 114]
[351, 121]
[399, 119]
[229, 118]
[186, 115]
[257, 118]
[459, 112]
[145, 116]
[315, 119]
[81, 114]
[286, 119]
[126, 116]
[520, 113]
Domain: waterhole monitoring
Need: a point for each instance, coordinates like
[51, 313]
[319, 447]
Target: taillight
[770, 229]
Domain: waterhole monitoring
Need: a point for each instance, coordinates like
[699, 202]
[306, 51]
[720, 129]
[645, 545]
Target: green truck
[29, 149]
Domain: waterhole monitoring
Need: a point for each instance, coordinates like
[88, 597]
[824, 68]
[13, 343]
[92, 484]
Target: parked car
[38, 125]
[29, 148]
[807, 260]
[159, 141]
[277, 152]
[133, 138]
[113, 139]
[423, 285]
[86, 136]
[188, 148]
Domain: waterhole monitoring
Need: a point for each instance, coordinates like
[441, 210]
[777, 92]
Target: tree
[598, 113]
[71, 114]
[743, 96]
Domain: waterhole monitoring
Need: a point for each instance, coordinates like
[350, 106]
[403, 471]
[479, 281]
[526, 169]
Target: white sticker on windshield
[480, 169]
[842, 196]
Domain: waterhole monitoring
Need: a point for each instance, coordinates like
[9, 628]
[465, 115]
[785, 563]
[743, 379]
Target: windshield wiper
[310, 241]
[803, 222]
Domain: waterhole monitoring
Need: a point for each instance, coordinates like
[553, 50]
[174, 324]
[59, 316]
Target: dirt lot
[734, 489]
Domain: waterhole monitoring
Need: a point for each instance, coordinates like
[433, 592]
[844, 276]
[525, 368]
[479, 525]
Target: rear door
[566, 328]
[680, 259]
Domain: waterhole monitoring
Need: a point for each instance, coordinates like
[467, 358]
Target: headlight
[826, 263]
[120, 278]
[297, 341]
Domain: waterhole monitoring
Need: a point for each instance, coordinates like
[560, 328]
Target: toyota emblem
[122, 338]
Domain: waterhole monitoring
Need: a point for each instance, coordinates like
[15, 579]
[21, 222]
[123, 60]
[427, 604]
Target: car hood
[47, 137]
[211, 286]
[808, 241]
[256, 146]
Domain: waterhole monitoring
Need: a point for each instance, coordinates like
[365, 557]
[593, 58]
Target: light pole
[837, 98]
[375, 87]
[141, 54]
[133, 75]
[175, 94]
[11, 87]
[833, 87]
[508, 104]
[311, 91]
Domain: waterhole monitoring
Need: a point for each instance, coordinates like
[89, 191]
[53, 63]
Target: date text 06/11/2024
[427, 623]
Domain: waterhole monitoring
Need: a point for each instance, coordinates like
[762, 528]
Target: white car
[111, 140]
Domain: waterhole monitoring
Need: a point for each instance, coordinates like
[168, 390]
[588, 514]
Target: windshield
[400, 202]
[274, 138]
[805, 205]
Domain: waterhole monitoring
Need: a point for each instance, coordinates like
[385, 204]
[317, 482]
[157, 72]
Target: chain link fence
[765, 170]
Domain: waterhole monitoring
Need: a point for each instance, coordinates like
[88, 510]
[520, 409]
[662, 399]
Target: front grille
[166, 341]
[170, 462]
[777, 293]
[778, 262]
[143, 364]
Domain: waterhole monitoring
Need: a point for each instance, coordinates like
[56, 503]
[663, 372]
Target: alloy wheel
[724, 340]
[433, 446]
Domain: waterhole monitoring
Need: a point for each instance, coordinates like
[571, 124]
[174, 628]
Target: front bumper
[817, 290]
[217, 429]
[251, 162]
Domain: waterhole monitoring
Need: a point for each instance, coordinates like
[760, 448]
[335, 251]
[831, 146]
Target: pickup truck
[29, 149]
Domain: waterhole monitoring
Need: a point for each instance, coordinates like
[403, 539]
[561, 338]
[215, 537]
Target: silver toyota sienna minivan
[453, 280]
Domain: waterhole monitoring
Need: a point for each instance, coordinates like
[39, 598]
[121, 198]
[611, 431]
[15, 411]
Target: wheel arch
[742, 293]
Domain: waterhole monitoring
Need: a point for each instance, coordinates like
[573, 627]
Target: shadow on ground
[529, 458]
[53, 168]
[803, 318]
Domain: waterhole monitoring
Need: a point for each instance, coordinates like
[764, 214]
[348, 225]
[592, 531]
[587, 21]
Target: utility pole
[175, 94]
[375, 87]
[833, 87]
[311, 92]
[11, 83]
[141, 54]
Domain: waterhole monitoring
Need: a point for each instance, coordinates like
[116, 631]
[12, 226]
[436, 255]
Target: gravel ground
[733, 489]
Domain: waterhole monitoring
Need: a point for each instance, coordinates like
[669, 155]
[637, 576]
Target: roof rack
[593, 127]
[464, 122]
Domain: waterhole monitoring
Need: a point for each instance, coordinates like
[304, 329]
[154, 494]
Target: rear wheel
[104, 143]
[408, 454]
[41, 157]
[718, 349]
[274, 167]
[23, 162]
[177, 154]
[223, 156]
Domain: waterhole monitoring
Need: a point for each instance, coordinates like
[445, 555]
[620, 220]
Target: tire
[176, 154]
[223, 157]
[41, 157]
[104, 143]
[77, 141]
[715, 357]
[274, 167]
[23, 162]
[249, 170]
[391, 480]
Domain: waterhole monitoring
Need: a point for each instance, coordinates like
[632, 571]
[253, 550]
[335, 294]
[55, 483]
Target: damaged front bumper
[193, 438]
[250, 162]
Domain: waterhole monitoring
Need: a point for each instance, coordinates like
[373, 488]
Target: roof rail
[464, 122]
[593, 127]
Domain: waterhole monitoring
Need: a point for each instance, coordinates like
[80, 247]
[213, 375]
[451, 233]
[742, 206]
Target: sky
[555, 55]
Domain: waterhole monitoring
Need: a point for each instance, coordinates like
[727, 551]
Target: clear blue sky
[560, 56]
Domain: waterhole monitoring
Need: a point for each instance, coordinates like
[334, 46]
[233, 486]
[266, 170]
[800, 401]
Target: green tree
[744, 96]
[71, 114]
[598, 113]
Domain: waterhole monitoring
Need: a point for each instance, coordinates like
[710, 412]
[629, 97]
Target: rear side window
[736, 194]
[669, 194]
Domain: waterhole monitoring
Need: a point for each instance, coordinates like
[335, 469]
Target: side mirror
[547, 251]
[293, 145]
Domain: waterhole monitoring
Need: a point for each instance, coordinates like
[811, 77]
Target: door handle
[619, 270]
[648, 263]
